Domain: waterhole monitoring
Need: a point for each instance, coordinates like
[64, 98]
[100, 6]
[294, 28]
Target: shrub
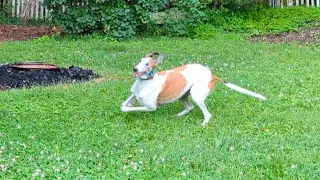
[119, 22]
[257, 19]
[4, 12]
[123, 19]
[205, 32]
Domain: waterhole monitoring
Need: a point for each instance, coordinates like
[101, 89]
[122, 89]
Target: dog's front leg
[128, 102]
[127, 106]
[142, 108]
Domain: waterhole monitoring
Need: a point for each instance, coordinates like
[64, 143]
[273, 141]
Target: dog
[152, 88]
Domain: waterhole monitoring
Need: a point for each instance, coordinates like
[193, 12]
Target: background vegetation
[257, 20]
[77, 131]
[124, 19]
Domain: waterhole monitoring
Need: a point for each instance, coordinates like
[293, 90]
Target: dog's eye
[147, 64]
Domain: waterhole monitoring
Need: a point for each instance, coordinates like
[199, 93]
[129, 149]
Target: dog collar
[149, 75]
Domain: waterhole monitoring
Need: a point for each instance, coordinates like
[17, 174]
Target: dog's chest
[147, 91]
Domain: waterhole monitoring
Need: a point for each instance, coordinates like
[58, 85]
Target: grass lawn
[77, 131]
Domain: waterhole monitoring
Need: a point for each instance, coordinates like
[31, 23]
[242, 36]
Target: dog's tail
[242, 90]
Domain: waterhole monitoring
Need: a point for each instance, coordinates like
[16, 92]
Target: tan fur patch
[174, 85]
[152, 63]
[213, 82]
[162, 73]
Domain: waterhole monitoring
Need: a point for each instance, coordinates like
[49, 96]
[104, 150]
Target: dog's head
[145, 68]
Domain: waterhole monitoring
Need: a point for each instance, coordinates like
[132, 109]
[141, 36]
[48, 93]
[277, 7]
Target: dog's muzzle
[136, 73]
[135, 69]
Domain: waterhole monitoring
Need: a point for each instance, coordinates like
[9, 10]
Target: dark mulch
[22, 33]
[311, 35]
[17, 78]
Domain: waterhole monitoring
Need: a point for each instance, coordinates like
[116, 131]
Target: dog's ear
[159, 59]
[152, 54]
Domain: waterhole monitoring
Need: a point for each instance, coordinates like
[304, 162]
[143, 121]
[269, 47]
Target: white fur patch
[245, 91]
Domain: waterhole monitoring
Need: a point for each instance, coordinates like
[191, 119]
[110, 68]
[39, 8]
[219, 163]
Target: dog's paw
[131, 104]
[203, 125]
[124, 109]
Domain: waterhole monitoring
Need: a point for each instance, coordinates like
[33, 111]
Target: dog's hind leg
[187, 104]
[199, 93]
[204, 109]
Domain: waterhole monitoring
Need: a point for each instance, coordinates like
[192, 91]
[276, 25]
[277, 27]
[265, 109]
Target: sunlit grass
[77, 131]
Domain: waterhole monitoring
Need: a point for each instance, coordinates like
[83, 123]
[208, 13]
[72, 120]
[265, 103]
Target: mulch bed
[23, 33]
[18, 78]
[302, 36]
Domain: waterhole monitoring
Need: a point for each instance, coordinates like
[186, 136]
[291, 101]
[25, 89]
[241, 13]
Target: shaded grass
[78, 131]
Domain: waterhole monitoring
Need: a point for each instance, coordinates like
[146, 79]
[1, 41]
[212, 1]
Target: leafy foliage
[4, 11]
[123, 19]
[119, 22]
[255, 20]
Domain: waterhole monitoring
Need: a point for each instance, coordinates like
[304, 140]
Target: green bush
[4, 12]
[205, 32]
[123, 19]
[119, 22]
[255, 20]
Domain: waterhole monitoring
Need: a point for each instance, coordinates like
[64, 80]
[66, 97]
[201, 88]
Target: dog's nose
[135, 69]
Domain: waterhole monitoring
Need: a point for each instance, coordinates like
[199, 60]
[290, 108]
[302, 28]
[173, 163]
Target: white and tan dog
[152, 89]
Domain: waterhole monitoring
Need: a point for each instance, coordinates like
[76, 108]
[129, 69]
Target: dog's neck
[149, 75]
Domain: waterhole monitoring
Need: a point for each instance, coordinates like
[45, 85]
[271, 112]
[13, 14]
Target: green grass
[77, 131]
